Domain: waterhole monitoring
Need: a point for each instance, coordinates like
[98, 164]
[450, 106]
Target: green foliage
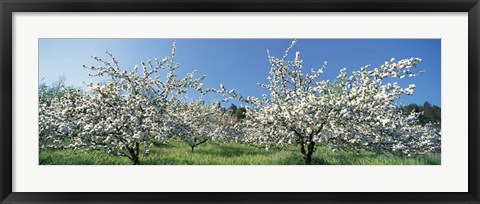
[178, 153]
[232, 108]
[431, 113]
[240, 113]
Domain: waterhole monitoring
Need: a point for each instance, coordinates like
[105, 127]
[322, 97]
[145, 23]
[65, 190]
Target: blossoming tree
[128, 109]
[196, 123]
[352, 111]
[58, 116]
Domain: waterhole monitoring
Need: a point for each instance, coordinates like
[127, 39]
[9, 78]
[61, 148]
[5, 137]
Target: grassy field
[179, 153]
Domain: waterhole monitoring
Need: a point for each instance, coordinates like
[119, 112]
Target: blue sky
[241, 63]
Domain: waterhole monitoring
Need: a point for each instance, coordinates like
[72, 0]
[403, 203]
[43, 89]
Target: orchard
[138, 114]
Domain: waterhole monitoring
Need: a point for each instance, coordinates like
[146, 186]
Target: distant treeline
[238, 112]
[431, 113]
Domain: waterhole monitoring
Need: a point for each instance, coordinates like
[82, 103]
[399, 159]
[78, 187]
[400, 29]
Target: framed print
[256, 102]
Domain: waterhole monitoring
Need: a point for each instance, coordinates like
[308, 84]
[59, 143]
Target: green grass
[179, 153]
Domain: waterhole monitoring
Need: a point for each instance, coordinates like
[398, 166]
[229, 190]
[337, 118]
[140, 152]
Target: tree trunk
[196, 144]
[307, 154]
[135, 160]
[307, 159]
[311, 148]
[135, 154]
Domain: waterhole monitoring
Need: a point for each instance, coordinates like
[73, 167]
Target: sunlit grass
[179, 153]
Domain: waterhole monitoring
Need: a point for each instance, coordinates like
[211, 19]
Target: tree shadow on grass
[296, 159]
[319, 161]
[230, 151]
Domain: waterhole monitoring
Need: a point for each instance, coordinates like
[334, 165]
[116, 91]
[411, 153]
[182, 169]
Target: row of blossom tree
[133, 108]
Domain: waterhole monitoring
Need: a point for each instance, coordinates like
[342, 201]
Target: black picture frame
[6, 134]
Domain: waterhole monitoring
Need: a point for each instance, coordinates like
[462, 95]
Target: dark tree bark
[308, 152]
[311, 149]
[196, 144]
[307, 159]
[134, 154]
[307, 155]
